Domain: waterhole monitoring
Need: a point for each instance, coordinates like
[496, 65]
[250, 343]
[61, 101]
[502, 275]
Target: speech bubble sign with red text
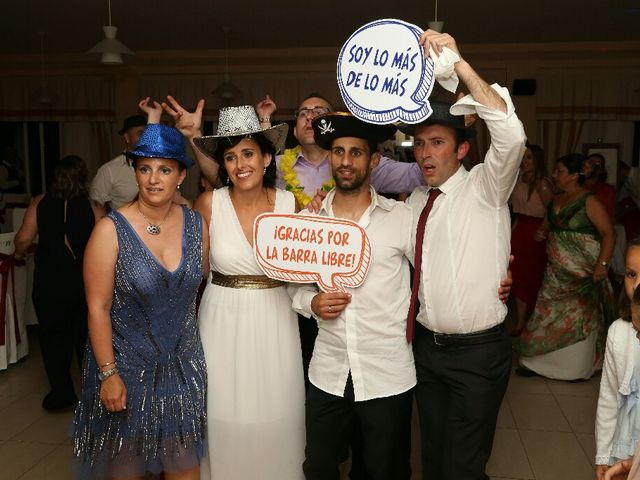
[332, 252]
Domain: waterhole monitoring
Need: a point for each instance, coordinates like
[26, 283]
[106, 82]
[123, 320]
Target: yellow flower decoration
[291, 180]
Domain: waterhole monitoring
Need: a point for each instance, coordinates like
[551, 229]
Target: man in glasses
[305, 169]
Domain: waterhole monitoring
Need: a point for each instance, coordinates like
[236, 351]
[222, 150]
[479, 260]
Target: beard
[349, 184]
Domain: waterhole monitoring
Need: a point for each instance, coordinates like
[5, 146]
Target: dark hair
[574, 163]
[315, 95]
[460, 137]
[70, 178]
[635, 301]
[602, 176]
[134, 162]
[624, 302]
[539, 167]
[265, 145]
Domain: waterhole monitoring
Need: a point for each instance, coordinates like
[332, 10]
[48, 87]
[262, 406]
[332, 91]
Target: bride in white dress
[249, 332]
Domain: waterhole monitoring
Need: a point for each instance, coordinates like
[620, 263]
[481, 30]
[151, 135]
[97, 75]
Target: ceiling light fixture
[43, 95]
[110, 48]
[226, 93]
[435, 24]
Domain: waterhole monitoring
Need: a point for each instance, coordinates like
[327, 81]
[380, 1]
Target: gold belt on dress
[254, 282]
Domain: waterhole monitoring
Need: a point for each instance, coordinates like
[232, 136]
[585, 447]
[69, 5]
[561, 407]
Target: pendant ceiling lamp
[226, 93]
[435, 24]
[111, 48]
[43, 95]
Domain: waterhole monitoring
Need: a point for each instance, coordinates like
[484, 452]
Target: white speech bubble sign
[383, 75]
[332, 252]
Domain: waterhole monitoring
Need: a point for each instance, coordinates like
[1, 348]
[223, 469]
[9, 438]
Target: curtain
[578, 106]
[90, 140]
[285, 90]
[74, 98]
[559, 137]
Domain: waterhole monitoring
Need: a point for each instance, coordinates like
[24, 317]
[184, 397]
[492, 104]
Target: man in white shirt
[462, 352]
[362, 366]
[115, 181]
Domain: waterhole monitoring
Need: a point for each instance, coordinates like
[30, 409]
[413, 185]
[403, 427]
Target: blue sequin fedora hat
[161, 141]
[240, 121]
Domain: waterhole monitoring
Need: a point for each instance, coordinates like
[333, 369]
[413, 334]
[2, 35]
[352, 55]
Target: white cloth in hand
[444, 68]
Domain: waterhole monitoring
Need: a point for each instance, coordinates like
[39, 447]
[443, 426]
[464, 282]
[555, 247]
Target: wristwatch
[104, 375]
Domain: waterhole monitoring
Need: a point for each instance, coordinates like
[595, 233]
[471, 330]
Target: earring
[264, 171]
[178, 187]
[228, 180]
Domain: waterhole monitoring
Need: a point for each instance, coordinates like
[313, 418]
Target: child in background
[618, 417]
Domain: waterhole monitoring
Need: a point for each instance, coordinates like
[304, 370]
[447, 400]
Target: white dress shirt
[467, 238]
[115, 183]
[368, 338]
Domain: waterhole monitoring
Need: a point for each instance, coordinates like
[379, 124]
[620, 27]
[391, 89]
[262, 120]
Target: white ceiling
[74, 26]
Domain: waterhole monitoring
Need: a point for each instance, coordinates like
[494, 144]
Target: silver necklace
[153, 229]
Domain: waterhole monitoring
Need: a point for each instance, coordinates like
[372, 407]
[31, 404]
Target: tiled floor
[545, 429]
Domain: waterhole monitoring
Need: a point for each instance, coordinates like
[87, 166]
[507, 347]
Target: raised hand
[189, 123]
[265, 108]
[152, 108]
[431, 39]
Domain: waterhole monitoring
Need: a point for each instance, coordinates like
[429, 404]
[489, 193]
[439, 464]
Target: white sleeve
[100, 191]
[301, 296]
[607, 410]
[497, 175]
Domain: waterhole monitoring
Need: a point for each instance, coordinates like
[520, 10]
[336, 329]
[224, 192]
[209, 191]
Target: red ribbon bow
[7, 264]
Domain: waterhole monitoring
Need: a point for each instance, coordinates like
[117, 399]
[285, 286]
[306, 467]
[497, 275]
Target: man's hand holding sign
[334, 253]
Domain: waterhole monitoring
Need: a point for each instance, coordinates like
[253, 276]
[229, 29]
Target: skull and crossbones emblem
[325, 127]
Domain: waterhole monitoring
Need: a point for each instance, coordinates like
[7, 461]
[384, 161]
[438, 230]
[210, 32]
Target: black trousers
[386, 434]
[62, 331]
[459, 392]
[308, 329]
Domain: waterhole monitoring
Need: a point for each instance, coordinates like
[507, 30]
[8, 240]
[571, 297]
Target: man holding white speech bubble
[362, 367]
[462, 351]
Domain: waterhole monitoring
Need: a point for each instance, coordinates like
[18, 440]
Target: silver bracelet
[104, 375]
[264, 119]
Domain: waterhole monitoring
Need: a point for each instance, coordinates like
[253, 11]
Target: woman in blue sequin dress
[143, 405]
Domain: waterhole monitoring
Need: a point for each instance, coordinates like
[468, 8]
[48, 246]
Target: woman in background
[564, 338]
[62, 219]
[529, 200]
